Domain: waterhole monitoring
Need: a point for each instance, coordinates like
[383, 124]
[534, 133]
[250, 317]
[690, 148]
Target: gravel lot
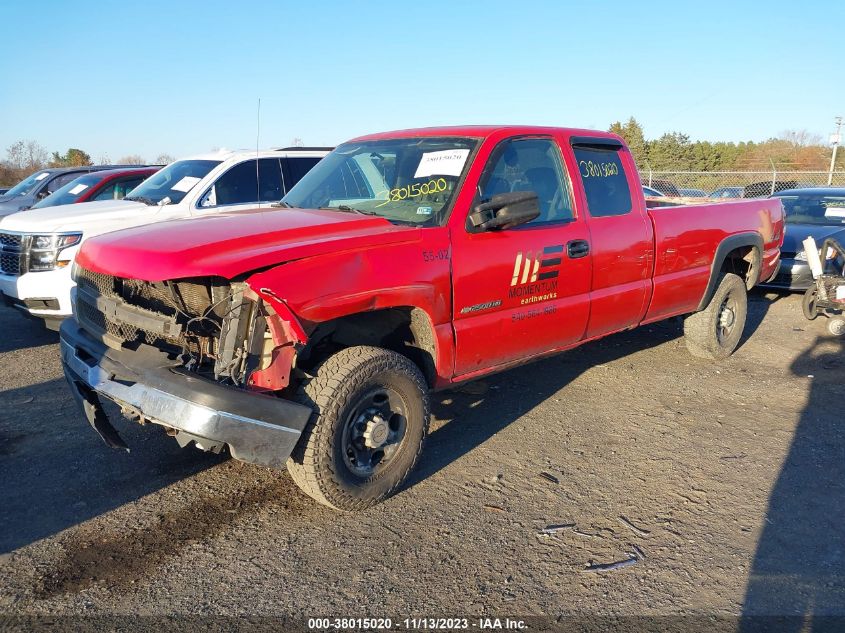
[731, 478]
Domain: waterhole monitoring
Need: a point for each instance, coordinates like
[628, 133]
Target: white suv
[37, 247]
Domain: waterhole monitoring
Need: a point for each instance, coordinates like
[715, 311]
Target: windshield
[27, 184]
[814, 209]
[70, 192]
[410, 180]
[174, 181]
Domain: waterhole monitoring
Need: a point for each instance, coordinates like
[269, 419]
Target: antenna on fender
[257, 139]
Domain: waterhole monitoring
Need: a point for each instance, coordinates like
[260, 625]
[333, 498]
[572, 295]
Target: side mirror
[505, 210]
[42, 194]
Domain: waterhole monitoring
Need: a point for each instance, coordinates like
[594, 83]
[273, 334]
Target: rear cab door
[621, 233]
[521, 291]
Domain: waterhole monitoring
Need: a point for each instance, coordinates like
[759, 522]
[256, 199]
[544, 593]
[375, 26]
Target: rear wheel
[808, 304]
[836, 327]
[370, 419]
[715, 332]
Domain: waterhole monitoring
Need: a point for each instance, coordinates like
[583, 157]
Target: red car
[310, 336]
[108, 184]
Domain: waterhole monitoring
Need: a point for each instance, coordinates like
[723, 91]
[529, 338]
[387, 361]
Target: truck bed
[686, 238]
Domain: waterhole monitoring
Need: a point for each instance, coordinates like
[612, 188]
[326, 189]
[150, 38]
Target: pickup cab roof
[483, 131]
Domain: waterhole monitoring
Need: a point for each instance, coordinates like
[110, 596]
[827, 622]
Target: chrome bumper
[257, 428]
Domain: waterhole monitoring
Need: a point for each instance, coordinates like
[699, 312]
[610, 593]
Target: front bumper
[42, 294]
[258, 429]
[792, 275]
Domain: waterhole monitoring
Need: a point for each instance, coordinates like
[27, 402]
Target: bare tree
[164, 159]
[26, 156]
[132, 159]
[104, 159]
[800, 138]
[297, 142]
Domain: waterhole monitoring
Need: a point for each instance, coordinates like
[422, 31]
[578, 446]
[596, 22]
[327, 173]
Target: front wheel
[715, 332]
[370, 419]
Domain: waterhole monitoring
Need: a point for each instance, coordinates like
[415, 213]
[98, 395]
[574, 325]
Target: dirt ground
[726, 480]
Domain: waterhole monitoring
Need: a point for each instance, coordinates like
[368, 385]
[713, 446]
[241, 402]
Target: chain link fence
[735, 184]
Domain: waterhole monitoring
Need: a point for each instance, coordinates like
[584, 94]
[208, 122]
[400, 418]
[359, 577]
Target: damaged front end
[203, 357]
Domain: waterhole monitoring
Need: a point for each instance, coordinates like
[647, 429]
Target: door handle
[578, 248]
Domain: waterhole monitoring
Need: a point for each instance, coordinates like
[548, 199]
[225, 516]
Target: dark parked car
[666, 187]
[766, 188]
[727, 192]
[42, 183]
[693, 193]
[648, 192]
[108, 184]
[817, 212]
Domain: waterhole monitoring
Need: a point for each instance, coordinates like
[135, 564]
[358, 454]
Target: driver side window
[532, 164]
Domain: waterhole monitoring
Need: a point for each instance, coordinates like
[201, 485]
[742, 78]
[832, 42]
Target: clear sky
[180, 77]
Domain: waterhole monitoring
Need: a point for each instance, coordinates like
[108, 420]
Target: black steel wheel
[714, 332]
[370, 420]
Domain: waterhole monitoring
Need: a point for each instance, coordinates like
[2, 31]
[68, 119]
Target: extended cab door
[621, 234]
[521, 291]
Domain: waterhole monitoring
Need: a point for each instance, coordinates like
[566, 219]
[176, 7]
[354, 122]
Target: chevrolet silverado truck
[37, 246]
[309, 337]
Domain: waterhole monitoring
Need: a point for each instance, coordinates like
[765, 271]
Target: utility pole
[835, 140]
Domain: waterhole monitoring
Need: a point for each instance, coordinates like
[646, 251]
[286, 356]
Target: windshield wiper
[281, 204]
[349, 209]
[147, 201]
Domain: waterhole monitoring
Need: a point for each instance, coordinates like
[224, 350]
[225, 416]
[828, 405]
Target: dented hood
[229, 245]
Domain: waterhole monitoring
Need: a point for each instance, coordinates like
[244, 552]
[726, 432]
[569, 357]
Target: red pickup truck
[309, 336]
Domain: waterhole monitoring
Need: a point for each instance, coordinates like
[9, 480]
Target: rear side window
[297, 168]
[604, 179]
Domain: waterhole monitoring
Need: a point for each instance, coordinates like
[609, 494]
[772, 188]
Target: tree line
[792, 150]
[26, 157]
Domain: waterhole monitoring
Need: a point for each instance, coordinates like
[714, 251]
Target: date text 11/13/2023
[417, 624]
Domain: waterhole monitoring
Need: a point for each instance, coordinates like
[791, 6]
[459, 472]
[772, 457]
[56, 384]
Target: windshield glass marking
[42, 176]
[447, 163]
[404, 180]
[77, 189]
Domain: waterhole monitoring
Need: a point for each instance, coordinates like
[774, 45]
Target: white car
[37, 246]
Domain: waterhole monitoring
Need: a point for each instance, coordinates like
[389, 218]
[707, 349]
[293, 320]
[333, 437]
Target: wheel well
[406, 330]
[745, 262]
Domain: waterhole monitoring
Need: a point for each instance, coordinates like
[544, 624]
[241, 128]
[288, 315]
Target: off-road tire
[317, 465]
[701, 329]
[808, 304]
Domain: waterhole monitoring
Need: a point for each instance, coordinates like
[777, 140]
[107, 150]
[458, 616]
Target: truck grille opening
[10, 239]
[10, 264]
[174, 316]
[12, 254]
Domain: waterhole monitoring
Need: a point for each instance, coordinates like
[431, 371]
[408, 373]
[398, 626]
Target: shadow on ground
[476, 412]
[799, 565]
[57, 472]
[20, 332]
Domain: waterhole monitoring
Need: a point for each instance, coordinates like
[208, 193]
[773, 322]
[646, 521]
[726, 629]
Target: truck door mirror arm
[505, 210]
